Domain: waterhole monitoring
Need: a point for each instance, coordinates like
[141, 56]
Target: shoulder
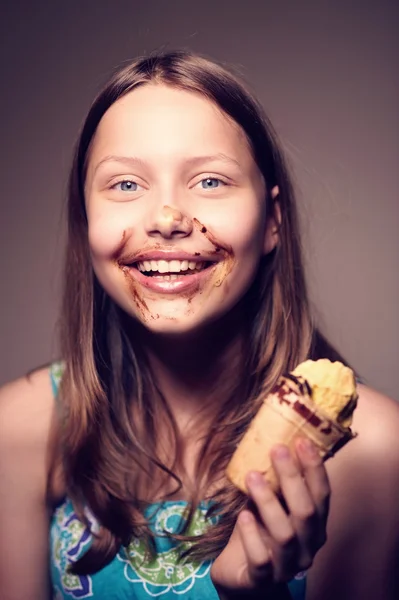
[27, 422]
[26, 406]
[365, 473]
[369, 465]
[360, 557]
[376, 421]
[26, 430]
[376, 411]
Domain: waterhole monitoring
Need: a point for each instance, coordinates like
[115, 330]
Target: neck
[196, 372]
[198, 375]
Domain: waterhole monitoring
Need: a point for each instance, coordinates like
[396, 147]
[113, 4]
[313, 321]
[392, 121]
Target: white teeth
[167, 277]
[169, 266]
[163, 267]
[175, 266]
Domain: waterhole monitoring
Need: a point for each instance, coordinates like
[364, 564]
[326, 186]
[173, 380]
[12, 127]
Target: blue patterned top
[130, 576]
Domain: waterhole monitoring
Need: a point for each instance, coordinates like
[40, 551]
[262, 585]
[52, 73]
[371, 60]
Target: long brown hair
[106, 378]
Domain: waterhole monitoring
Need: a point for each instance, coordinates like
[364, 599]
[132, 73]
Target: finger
[308, 527]
[315, 475]
[293, 486]
[258, 553]
[284, 543]
[308, 521]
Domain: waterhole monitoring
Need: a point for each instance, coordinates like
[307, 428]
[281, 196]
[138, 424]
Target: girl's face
[176, 209]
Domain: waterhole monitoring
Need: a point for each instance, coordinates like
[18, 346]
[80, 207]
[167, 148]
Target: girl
[184, 294]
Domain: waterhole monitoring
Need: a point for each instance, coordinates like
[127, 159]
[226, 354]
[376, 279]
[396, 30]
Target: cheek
[250, 237]
[244, 232]
[105, 233]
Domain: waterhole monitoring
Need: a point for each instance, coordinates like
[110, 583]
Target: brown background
[327, 72]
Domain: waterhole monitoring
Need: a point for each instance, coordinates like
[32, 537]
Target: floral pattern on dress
[70, 539]
[165, 572]
[155, 576]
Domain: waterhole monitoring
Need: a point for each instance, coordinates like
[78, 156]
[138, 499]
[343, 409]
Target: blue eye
[211, 183]
[127, 186]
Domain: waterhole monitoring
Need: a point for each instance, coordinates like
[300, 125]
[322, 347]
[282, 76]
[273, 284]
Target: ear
[273, 222]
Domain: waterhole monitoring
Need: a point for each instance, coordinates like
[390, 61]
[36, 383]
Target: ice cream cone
[287, 413]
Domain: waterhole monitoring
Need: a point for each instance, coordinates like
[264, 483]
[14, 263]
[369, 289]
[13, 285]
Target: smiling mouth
[171, 270]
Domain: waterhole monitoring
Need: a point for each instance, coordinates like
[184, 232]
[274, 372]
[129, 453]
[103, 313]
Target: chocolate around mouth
[226, 250]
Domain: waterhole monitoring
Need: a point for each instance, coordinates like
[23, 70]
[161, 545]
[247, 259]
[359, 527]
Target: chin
[177, 317]
[182, 325]
[174, 326]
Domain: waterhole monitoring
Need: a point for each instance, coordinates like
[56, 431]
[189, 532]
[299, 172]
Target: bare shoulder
[26, 410]
[360, 558]
[27, 421]
[376, 421]
[371, 460]
[27, 416]
[376, 411]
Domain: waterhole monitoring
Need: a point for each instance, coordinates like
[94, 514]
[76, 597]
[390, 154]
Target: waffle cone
[287, 413]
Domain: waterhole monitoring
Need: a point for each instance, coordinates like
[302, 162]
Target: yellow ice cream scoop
[333, 388]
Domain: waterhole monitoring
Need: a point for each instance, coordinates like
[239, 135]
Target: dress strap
[56, 371]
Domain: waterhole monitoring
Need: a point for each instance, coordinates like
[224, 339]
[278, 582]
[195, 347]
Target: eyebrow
[193, 161]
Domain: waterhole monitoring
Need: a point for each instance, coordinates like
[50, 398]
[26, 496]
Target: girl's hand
[270, 543]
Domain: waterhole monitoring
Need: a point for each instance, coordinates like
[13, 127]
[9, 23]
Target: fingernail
[309, 447]
[281, 452]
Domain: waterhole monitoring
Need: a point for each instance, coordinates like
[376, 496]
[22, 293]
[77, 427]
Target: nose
[169, 222]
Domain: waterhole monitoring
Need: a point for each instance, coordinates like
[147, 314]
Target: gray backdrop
[327, 73]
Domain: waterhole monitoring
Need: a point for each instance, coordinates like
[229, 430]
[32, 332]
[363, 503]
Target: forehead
[158, 119]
